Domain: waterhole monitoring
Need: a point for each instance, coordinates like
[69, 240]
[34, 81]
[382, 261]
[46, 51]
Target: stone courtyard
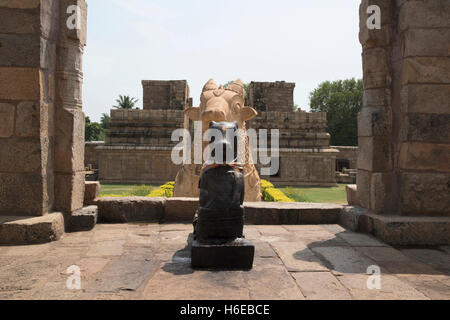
[152, 261]
[303, 251]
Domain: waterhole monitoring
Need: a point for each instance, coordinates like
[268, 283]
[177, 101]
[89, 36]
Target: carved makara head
[222, 105]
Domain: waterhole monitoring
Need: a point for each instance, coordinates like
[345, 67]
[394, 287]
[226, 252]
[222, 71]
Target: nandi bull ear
[248, 113]
[193, 113]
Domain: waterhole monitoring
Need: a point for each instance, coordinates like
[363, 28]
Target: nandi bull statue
[219, 222]
[220, 104]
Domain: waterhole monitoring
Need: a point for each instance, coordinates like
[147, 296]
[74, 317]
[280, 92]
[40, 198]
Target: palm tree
[125, 102]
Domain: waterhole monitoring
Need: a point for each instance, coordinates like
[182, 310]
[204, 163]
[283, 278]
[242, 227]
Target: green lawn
[302, 194]
[317, 194]
[125, 189]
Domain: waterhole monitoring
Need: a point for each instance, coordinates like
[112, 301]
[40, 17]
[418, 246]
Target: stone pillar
[404, 142]
[69, 124]
[28, 36]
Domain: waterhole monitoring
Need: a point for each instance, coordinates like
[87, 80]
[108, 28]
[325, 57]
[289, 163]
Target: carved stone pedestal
[237, 254]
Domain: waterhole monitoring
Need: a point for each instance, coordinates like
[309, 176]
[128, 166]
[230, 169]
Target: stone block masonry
[403, 128]
[166, 95]
[41, 122]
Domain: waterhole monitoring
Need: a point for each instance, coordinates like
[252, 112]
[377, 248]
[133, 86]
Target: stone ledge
[25, 230]
[291, 213]
[397, 230]
[130, 209]
[180, 209]
[173, 210]
[84, 219]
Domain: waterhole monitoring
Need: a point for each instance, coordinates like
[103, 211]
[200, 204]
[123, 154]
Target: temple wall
[404, 142]
[40, 108]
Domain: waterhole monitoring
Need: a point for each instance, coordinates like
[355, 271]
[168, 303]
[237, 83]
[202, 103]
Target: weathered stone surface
[427, 128]
[6, 120]
[426, 98]
[431, 157]
[383, 199]
[132, 209]
[297, 257]
[426, 42]
[23, 194]
[377, 98]
[398, 230]
[360, 240]
[235, 255]
[84, 219]
[424, 14]
[29, 161]
[19, 21]
[374, 121]
[28, 119]
[125, 274]
[426, 70]
[321, 286]
[425, 194]
[352, 194]
[391, 288]
[376, 68]
[19, 4]
[290, 213]
[363, 186]
[20, 50]
[20, 83]
[180, 209]
[91, 192]
[25, 230]
[69, 191]
[436, 259]
[270, 281]
[69, 143]
[375, 154]
[114, 266]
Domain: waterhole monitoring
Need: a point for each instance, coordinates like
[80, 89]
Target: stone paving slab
[152, 261]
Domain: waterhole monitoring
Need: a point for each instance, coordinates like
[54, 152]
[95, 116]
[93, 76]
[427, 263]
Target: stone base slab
[130, 209]
[25, 230]
[83, 220]
[236, 255]
[398, 230]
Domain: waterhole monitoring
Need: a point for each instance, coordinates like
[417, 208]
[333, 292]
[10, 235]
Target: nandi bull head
[222, 105]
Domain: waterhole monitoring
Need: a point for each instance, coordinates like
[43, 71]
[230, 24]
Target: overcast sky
[301, 41]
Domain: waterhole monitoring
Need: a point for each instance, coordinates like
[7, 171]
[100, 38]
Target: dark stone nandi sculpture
[219, 223]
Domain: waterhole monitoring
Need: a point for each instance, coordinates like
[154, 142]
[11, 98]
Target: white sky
[301, 41]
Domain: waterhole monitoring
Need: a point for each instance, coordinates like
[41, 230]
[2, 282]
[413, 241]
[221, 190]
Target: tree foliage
[125, 102]
[341, 100]
[93, 131]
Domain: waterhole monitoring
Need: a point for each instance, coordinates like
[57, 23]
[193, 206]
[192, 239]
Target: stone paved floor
[291, 262]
